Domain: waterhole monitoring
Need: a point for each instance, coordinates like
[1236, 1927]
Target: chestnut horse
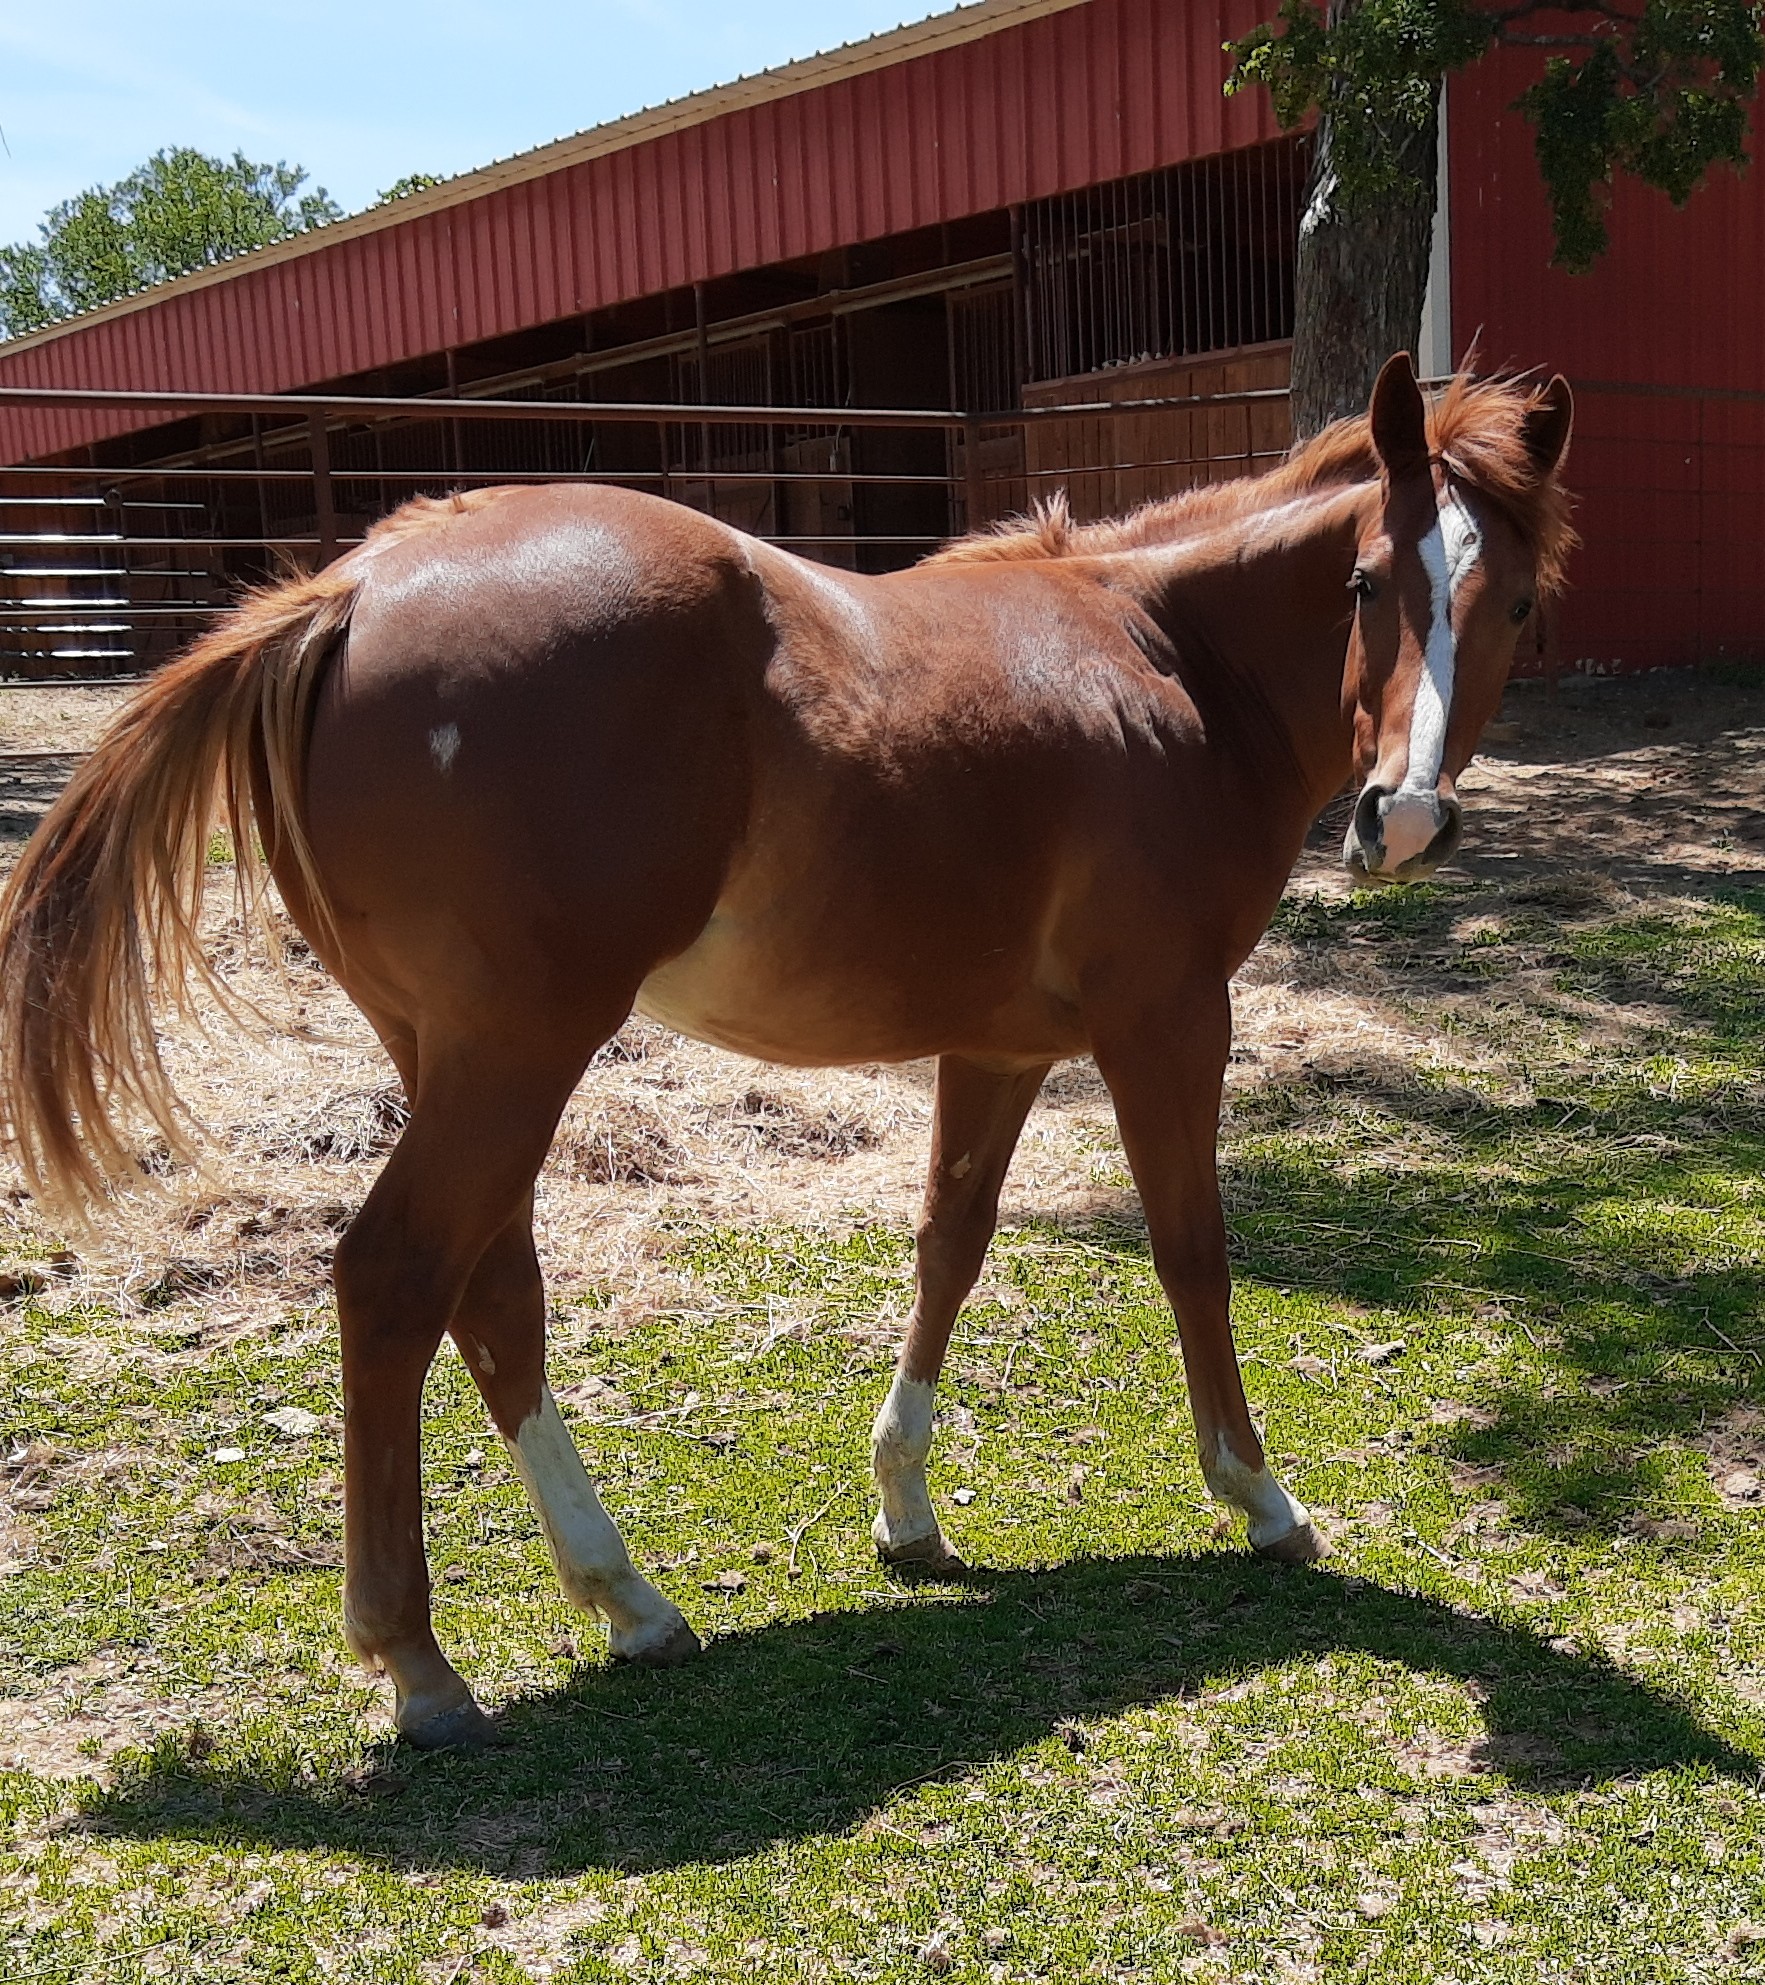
[532, 758]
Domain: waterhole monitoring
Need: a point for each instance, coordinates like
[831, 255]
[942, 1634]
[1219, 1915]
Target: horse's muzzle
[1400, 836]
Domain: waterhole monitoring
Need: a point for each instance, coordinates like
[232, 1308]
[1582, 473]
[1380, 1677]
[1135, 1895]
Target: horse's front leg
[978, 1116]
[1164, 1069]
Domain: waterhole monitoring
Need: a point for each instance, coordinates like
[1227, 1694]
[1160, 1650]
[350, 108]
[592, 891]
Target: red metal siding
[1672, 488]
[1112, 87]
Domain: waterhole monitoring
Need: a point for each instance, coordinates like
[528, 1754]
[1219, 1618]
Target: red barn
[1019, 205]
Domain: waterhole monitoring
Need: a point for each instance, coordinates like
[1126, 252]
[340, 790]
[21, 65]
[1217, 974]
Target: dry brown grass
[1600, 806]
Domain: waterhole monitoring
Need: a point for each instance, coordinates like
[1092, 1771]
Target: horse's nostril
[1447, 839]
[1369, 828]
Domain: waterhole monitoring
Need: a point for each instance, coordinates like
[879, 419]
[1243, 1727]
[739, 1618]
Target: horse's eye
[1362, 586]
[1518, 612]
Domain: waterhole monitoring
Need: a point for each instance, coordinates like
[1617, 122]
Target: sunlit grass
[1504, 1331]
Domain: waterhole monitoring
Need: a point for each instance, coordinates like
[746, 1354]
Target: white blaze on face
[592, 1562]
[444, 744]
[900, 1442]
[1410, 819]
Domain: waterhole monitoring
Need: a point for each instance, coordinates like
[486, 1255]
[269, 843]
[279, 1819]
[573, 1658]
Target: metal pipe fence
[106, 570]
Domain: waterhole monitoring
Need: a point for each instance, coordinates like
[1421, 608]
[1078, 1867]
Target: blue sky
[362, 93]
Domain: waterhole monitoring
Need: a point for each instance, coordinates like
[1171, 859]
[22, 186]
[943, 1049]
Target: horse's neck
[1268, 607]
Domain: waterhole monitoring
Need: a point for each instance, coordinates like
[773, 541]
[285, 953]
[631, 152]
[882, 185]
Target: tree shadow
[1572, 1213]
[1636, 1356]
[1549, 1210]
[807, 1727]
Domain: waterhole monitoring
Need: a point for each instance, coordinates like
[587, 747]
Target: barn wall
[1672, 483]
[1090, 93]
[1108, 464]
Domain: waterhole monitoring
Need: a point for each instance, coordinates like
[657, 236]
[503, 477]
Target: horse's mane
[1476, 431]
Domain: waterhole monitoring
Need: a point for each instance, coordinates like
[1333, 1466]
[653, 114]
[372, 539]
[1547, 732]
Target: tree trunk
[1359, 280]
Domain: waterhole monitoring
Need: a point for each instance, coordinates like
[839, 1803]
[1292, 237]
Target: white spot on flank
[962, 1166]
[486, 1363]
[899, 1444]
[593, 1566]
[444, 742]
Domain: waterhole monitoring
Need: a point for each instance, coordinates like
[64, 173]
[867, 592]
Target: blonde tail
[99, 924]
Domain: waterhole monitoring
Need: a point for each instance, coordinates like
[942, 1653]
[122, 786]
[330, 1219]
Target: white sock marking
[900, 1441]
[592, 1561]
[1273, 1513]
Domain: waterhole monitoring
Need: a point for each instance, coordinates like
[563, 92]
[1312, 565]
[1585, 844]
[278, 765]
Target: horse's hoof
[1302, 1545]
[924, 1557]
[679, 1644]
[465, 1727]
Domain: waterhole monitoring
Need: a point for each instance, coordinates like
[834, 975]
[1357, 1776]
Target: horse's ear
[1546, 427]
[1399, 418]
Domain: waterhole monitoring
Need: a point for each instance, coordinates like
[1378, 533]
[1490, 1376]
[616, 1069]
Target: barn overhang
[975, 111]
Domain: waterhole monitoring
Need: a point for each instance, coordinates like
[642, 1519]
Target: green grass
[1514, 1729]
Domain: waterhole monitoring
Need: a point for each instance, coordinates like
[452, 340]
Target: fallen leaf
[294, 1421]
[1536, 1585]
[728, 1581]
[1309, 1367]
[1202, 1933]
[1382, 1354]
[1663, 1529]
[228, 1454]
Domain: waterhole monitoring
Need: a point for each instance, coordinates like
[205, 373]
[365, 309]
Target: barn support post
[702, 344]
[973, 483]
[324, 498]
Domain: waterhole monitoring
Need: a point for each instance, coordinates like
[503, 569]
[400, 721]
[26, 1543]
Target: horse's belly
[731, 990]
[725, 990]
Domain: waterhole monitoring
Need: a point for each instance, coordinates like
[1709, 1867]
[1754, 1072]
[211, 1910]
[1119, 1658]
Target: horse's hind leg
[479, 1130]
[978, 1116]
[499, 1327]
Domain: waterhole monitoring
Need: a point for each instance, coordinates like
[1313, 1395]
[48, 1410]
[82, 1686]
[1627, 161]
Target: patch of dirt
[81, 1716]
[1579, 800]
[1734, 1446]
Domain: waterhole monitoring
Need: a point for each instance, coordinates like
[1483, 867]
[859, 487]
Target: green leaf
[1663, 95]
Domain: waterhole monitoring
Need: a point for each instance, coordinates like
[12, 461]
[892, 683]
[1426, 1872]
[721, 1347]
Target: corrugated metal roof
[1008, 101]
[949, 30]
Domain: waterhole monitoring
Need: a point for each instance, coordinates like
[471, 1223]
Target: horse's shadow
[806, 1727]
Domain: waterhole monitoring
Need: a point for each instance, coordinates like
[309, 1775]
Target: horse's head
[1470, 525]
